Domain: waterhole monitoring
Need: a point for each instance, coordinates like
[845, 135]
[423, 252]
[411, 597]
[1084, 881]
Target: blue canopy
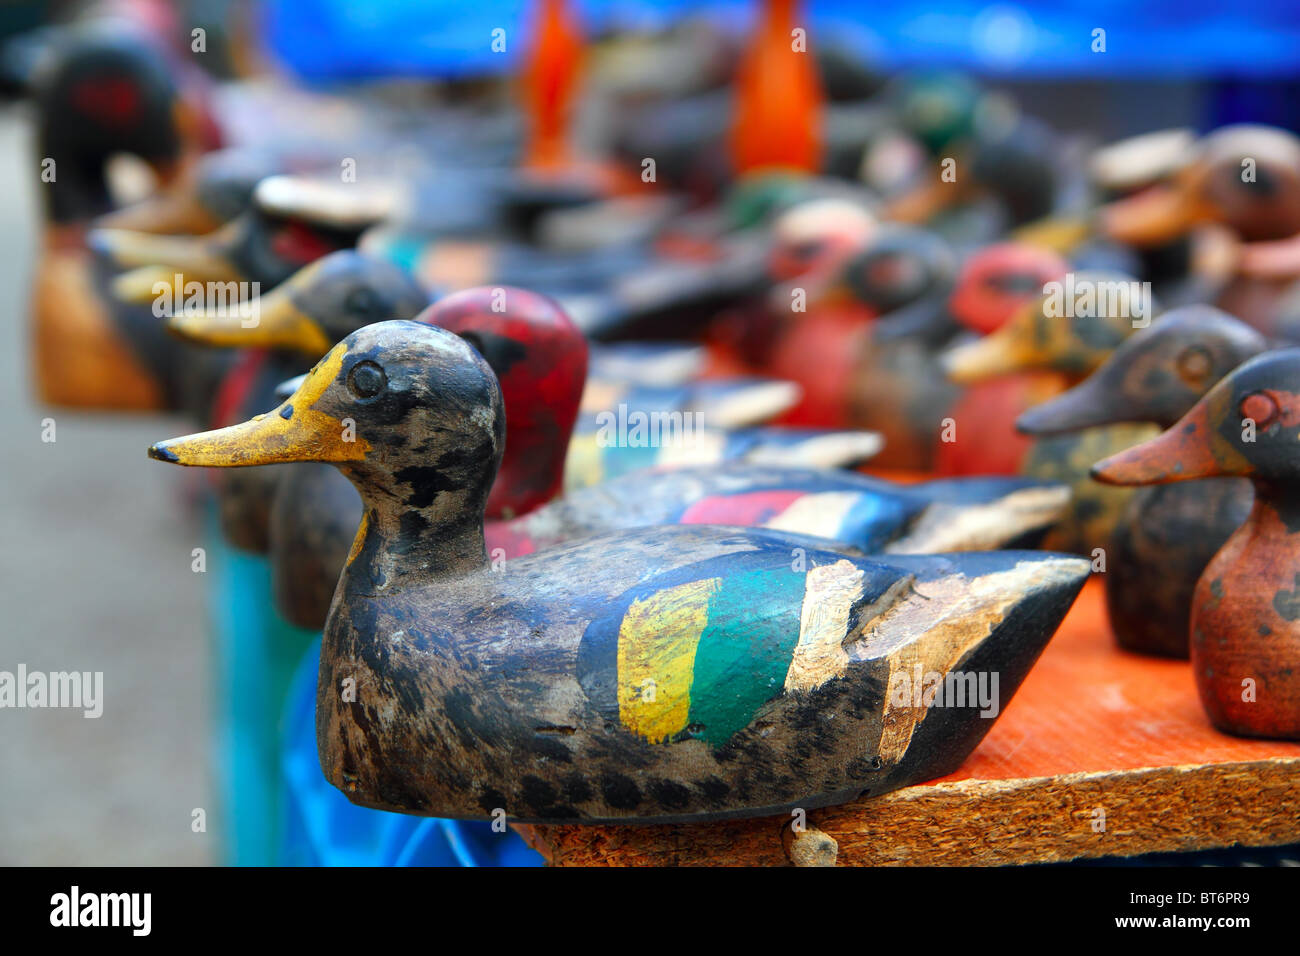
[325, 40]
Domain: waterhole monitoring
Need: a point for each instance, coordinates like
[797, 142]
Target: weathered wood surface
[1092, 728]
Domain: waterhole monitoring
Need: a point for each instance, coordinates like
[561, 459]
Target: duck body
[672, 673]
[1244, 625]
[1244, 630]
[1162, 544]
[104, 92]
[1095, 512]
[590, 460]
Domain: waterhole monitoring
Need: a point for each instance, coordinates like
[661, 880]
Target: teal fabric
[254, 656]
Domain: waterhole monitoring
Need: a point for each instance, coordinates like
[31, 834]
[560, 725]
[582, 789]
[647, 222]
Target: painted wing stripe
[657, 642]
[829, 596]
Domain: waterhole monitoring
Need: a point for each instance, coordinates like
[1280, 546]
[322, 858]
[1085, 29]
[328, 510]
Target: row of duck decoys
[538, 618]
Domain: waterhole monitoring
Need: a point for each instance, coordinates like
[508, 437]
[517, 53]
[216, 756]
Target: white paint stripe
[829, 594]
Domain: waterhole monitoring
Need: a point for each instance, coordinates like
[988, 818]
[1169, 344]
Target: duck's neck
[399, 545]
[1276, 511]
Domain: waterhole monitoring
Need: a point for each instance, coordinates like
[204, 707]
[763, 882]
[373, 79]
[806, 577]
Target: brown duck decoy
[1245, 639]
[1040, 337]
[1242, 180]
[655, 675]
[1168, 533]
[103, 93]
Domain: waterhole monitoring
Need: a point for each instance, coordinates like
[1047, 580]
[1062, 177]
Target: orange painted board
[1087, 706]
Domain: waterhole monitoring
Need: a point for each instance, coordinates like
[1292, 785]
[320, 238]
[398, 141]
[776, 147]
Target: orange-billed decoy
[1244, 635]
[652, 675]
[1243, 181]
[1166, 534]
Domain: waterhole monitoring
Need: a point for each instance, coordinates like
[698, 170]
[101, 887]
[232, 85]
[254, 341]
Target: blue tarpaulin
[325, 40]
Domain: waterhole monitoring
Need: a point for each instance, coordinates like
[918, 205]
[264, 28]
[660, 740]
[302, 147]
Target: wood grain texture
[1092, 726]
[983, 822]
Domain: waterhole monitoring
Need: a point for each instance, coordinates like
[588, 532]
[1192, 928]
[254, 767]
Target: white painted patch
[829, 594]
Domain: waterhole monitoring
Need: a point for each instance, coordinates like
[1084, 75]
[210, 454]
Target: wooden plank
[1092, 728]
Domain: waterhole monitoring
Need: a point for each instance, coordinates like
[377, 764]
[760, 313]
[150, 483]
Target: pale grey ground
[95, 575]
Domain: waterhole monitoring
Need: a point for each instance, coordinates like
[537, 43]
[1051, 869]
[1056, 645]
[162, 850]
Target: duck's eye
[366, 380]
[362, 302]
[806, 251]
[1194, 365]
[1259, 408]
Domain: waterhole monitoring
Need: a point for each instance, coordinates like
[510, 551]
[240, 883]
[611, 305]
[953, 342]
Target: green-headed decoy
[1166, 534]
[655, 675]
[1244, 635]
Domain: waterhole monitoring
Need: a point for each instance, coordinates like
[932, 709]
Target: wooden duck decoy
[1244, 180]
[863, 350]
[991, 168]
[994, 284]
[103, 94]
[305, 315]
[1072, 345]
[1244, 636]
[209, 193]
[526, 690]
[291, 222]
[1168, 533]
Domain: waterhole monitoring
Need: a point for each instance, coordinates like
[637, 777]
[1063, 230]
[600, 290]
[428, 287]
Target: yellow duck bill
[295, 431]
[269, 321]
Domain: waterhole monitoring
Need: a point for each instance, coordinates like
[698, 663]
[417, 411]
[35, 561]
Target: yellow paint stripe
[656, 658]
[582, 464]
[360, 539]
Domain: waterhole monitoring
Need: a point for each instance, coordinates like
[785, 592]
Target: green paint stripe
[744, 650]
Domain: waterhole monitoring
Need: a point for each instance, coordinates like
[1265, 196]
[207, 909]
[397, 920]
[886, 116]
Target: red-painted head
[999, 280]
[540, 358]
